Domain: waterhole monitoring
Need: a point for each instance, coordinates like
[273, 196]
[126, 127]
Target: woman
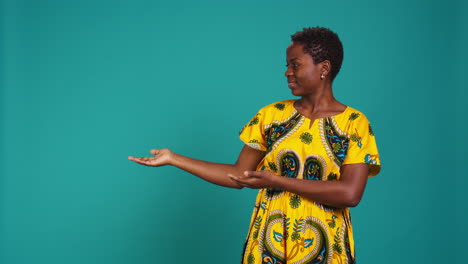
[309, 157]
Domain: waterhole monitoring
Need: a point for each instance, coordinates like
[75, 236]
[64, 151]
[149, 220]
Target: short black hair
[322, 44]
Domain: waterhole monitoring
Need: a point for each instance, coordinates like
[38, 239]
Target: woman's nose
[288, 72]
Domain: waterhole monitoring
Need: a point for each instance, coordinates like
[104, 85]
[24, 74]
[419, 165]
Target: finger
[154, 151]
[247, 182]
[133, 158]
[254, 173]
[238, 178]
[140, 160]
[136, 158]
[235, 178]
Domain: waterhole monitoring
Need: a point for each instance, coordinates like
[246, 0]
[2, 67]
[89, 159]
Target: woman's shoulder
[351, 120]
[351, 114]
[281, 106]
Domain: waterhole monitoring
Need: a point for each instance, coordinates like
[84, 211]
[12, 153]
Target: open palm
[162, 157]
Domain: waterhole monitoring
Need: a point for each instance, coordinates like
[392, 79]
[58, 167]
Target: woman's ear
[326, 67]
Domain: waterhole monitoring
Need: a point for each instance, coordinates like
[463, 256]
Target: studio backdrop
[84, 84]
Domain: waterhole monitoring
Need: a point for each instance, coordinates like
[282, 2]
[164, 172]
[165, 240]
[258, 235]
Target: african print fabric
[285, 227]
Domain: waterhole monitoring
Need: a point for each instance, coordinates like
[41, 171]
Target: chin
[296, 93]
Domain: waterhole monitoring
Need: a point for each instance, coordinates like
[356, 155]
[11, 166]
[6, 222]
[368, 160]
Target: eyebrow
[292, 59]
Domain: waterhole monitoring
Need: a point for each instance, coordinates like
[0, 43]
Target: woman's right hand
[162, 157]
[216, 173]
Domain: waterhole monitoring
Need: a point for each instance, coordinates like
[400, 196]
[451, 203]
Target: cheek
[307, 77]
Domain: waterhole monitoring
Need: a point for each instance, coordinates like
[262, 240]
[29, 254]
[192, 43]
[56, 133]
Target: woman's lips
[292, 85]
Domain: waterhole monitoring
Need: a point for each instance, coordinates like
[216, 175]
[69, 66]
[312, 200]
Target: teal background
[86, 83]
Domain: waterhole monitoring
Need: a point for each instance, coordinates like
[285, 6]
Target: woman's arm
[216, 173]
[346, 192]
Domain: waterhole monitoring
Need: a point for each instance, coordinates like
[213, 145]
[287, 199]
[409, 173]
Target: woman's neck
[317, 102]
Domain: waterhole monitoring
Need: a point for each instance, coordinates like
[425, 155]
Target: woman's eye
[294, 65]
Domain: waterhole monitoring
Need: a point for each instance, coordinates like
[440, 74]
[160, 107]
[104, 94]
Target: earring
[322, 76]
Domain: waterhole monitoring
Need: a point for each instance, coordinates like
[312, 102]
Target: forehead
[296, 50]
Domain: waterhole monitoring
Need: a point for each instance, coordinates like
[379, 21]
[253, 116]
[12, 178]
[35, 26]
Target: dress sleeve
[253, 134]
[362, 146]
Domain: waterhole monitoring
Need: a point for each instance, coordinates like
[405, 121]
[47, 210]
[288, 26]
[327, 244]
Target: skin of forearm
[215, 173]
[331, 193]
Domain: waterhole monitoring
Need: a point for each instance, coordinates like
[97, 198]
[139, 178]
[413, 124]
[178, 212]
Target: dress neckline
[295, 110]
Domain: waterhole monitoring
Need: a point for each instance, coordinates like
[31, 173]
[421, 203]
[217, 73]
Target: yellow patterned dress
[285, 227]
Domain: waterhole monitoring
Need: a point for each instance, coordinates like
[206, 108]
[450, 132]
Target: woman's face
[302, 74]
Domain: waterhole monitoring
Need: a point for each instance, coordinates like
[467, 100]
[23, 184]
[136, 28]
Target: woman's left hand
[255, 179]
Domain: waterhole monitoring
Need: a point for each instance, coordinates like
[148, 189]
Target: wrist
[277, 182]
[174, 159]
